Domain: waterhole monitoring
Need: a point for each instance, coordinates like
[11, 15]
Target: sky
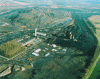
[50, 2]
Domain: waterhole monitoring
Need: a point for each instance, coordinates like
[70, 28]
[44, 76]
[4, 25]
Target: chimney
[70, 35]
[35, 31]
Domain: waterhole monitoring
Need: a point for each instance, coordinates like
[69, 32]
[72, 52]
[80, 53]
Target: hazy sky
[51, 2]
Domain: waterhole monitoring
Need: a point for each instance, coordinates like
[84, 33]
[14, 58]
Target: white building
[37, 51]
[19, 40]
[47, 54]
[43, 34]
[28, 42]
[35, 54]
[53, 50]
[64, 50]
[5, 24]
[46, 48]
[54, 45]
[31, 65]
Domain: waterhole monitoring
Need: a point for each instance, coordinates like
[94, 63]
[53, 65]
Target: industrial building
[43, 34]
[36, 52]
[37, 33]
[28, 42]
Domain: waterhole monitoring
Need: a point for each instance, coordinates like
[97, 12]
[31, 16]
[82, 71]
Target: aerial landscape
[49, 39]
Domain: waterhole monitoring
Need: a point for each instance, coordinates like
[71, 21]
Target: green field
[95, 20]
[10, 49]
[95, 72]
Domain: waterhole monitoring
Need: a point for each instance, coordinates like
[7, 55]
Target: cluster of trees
[11, 48]
[68, 66]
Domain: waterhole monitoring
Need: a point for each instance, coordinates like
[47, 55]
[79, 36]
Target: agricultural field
[96, 22]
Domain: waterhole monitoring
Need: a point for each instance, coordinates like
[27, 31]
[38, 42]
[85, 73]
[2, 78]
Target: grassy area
[98, 36]
[94, 20]
[95, 71]
[27, 66]
[3, 67]
[11, 48]
[29, 19]
[95, 64]
[91, 68]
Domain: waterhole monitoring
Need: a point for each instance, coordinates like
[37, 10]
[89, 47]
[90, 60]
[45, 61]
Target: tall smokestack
[35, 31]
[70, 35]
